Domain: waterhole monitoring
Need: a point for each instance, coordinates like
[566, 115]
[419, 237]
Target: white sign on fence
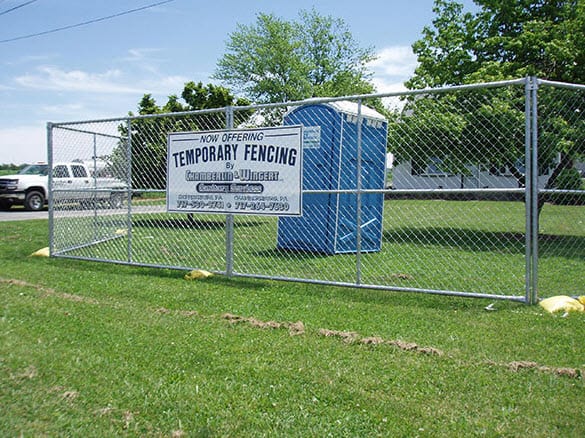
[243, 171]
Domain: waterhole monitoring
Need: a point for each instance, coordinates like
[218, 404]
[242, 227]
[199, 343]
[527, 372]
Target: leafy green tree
[149, 135]
[275, 60]
[505, 40]
[533, 38]
[445, 53]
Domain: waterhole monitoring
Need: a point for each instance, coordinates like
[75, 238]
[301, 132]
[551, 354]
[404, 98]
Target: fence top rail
[561, 84]
[85, 131]
[445, 89]
[358, 97]
[140, 117]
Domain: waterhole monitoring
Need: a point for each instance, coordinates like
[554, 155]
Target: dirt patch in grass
[353, 337]
[28, 373]
[516, 366]
[46, 292]
[64, 393]
[123, 417]
[347, 337]
[297, 328]
[294, 328]
[186, 313]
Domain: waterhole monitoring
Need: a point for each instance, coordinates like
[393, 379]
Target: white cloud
[74, 94]
[143, 60]
[174, 84]
[384, 85]
[395, 61]
[138, 55]
[70, 108]
[393, 66]
[53, 78]
[113, 81]
[23, 144]
[26, 59]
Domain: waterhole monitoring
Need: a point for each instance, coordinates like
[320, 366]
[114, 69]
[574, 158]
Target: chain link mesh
[429, 195]
[561, 203]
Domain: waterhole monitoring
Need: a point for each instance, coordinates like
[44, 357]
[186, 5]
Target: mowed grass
[93, 349]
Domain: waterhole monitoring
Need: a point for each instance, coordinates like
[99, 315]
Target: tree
[533, 38]
[445, 53]
[503, 40]
[149, 135]
[275, 60]
[508, 40]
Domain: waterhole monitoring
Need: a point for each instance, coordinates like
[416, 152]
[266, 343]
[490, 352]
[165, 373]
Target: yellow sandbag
[563, 303]
[198, 274]
[121, 232]
[43, 252]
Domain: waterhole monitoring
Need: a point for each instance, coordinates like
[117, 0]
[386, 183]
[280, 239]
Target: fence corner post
[49, 185]
[531, 190]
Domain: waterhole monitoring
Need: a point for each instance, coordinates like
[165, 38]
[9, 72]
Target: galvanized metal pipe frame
[531, 191]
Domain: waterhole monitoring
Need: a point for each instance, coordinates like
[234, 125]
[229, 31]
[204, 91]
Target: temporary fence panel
[560, 208]
[483, 195]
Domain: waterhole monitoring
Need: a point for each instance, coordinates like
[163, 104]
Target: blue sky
[101, 70]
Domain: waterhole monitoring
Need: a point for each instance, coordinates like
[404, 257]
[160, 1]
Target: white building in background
[407, 175]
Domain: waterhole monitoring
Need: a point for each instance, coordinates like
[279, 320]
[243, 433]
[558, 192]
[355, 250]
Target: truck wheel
[34, 201]
[116, 200]
[5, 204]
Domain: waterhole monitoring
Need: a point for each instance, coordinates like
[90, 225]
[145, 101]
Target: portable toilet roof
[345, 107]
[350, 107]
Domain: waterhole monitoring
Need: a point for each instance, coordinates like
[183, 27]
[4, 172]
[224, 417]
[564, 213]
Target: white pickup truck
[72, 182]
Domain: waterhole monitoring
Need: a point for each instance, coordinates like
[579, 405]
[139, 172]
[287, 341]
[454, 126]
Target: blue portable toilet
[329, 221]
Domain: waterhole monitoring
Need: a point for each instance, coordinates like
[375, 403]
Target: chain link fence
[473, 191]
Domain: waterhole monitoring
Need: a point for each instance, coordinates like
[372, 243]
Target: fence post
[359, 195]
[531, 190]
[94, 202]
[49, 187]
[229, 220]
[129, 184]
[535, 190]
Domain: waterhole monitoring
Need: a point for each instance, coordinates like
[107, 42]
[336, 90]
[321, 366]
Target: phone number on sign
[201, 205]
[262, 206]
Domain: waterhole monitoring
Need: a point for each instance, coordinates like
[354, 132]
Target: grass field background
[93, 349]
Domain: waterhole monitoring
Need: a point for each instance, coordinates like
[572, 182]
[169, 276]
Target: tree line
[277, 60]
[10, 167]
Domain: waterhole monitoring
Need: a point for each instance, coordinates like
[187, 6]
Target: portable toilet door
[329, 221]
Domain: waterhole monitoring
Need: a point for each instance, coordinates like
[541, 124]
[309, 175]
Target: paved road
[21, 215]
[17, 214]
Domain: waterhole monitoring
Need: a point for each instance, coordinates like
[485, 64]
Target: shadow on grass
[550, 245]
[281, 253]
[482, 241]
[190, 223]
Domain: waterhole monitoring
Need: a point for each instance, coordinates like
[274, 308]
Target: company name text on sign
[244, 171]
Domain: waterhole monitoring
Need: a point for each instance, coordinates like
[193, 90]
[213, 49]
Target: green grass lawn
[93, 349]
